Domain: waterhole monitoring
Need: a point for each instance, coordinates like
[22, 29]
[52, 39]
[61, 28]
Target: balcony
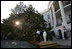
[64, 7]
[58, 25]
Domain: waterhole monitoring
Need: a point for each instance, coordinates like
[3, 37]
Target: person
[65, 34]
[38, 35]
[44, 35]
[41, 35]
[52, 34]
[38, 32]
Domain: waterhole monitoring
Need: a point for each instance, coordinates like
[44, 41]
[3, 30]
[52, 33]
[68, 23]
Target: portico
[60, 15]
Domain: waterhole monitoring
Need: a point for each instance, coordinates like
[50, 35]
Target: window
[48, 17]
[69, 19]
[67, 2]
[49, 25]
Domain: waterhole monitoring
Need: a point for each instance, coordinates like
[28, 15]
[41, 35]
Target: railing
[58, 24]
[67, 5]
[63, 7]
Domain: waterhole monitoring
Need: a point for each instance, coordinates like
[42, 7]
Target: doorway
[60, 34]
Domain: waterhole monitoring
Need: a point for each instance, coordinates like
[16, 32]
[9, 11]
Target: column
[54, 16]
[51, 21]
[62, 32]
[62, 13]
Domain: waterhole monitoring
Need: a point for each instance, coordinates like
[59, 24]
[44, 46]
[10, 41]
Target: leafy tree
[30, 21]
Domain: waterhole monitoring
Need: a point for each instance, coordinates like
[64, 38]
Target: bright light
[17, 23]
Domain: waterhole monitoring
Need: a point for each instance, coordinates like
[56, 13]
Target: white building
[58, 16]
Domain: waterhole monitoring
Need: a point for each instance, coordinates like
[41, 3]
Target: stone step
[45, 44]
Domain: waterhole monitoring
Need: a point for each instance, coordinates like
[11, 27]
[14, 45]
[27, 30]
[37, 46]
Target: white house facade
[58, 16]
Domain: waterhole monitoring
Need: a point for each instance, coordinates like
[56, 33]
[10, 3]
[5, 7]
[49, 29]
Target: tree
[30, 19]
